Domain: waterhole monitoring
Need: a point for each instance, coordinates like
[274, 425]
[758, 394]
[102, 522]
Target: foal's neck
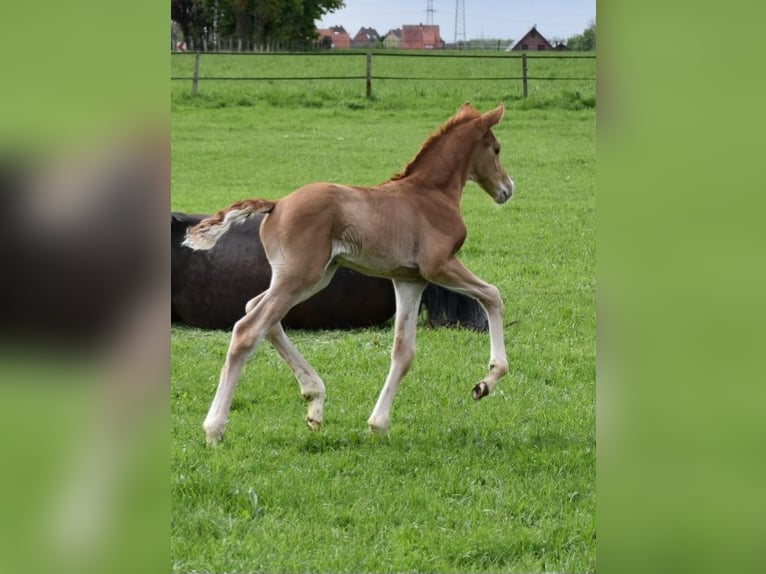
[442, 165]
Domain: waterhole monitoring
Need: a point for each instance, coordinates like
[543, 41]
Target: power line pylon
[460, 22]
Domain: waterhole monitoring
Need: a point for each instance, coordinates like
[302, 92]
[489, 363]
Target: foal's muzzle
[505, 192]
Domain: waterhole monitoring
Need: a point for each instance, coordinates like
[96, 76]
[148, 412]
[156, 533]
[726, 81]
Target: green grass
[506, 484]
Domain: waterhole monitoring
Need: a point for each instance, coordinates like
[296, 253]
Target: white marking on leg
[240, 349]
[498, 360]
[312, 387]
[455, 276]
[403, 351]
[248, 332]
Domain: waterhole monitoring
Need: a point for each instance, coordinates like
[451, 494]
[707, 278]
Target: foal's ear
[492, 117]
[465, 111]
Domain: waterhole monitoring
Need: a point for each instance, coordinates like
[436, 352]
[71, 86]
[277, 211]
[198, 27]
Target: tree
[241, 20]
[195, 18]
[258, 22]
[293, 21]
[269, 22]
[584, 42]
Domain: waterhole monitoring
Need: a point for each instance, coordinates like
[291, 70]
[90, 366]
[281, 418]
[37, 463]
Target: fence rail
[369, 76]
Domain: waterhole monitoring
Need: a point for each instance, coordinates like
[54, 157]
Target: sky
[504, 19]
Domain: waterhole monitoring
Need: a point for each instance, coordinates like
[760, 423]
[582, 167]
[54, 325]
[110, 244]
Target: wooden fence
[369, 76]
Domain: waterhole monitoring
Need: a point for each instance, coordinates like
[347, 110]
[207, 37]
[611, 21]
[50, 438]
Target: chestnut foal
[408, 229]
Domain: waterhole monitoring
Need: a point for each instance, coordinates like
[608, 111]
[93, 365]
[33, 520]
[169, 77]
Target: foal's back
[377, 230]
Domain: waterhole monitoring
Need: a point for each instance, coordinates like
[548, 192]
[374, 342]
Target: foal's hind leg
[403, 351]
[312, 387]
[453, 275]
[242, 345]
[263, 314]
[239, 351]
[248, 332]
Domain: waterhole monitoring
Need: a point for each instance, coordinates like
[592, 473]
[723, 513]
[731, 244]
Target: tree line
[584, 42]
[261, 23]
[252, 22]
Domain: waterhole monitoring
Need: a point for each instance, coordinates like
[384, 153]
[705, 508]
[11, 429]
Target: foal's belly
[380, 268]
[378, 259]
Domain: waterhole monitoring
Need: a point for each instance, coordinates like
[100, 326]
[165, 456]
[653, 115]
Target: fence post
[195, 79]
[369, 75]
[524, 73]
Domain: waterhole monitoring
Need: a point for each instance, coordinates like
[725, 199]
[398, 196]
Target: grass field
[451, 80]
[506, 484]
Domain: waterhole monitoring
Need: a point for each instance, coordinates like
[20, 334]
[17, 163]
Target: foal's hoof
[480, 390]
[214, 440]
[313, 424]
[377, 425]
[214, 433]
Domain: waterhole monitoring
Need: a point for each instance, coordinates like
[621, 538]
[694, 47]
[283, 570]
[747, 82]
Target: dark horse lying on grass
[209, 289]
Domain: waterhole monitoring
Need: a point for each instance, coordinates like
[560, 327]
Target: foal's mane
[466, 114]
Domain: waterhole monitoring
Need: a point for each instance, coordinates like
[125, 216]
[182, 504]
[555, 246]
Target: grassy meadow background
[504, 484]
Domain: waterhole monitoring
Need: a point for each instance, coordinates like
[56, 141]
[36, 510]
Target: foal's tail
[207, 232]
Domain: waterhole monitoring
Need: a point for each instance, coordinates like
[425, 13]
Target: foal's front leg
[407, 307]
[454, 275]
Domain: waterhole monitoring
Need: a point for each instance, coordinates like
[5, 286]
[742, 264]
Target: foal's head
[485, 168]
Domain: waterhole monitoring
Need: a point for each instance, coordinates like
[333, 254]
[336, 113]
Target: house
[366, 38]
[334, 37]
[393, 39]
[420, 37]
[532, 41]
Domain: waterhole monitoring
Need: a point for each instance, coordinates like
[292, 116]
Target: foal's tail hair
[207, 232]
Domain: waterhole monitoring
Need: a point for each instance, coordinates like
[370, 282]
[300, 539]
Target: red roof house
[420, 37]
[338, 37]
[366, 38]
